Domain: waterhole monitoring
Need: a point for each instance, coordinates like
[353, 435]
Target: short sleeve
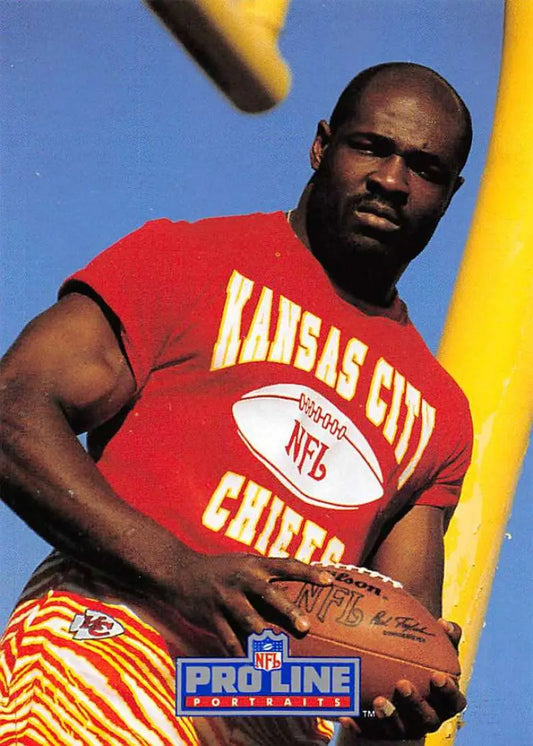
[139, 279]
[444, 490]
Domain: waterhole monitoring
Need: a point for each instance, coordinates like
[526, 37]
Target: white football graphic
[312, 447]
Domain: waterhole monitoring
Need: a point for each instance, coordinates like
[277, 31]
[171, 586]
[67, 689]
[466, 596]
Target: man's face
[384, 178]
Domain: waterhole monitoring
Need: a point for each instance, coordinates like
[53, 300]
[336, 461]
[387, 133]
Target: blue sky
[106, 123]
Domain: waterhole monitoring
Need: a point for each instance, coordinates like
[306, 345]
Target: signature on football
[405, 623]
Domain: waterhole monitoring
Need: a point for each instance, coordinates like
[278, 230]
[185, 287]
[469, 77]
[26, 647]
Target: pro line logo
[268, 682]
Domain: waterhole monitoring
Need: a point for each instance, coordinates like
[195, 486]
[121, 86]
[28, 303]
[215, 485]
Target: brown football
[367, 615]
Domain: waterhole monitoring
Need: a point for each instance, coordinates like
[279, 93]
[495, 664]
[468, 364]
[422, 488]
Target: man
[179, 350]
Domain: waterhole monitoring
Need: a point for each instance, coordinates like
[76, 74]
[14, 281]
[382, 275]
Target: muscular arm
[65, 374]
[413, 553]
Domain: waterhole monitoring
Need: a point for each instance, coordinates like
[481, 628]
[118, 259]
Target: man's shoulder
[185, 241]
[442, 380]
[216, 224]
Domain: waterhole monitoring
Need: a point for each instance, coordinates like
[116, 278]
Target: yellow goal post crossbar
[235, 42]
[488, 343]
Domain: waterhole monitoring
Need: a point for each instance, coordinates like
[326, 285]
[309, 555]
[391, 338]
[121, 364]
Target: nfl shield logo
[268, 651]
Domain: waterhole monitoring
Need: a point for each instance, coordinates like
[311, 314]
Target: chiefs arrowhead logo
[95, 625]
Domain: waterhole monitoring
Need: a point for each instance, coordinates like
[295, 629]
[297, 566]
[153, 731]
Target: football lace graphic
[312, 447]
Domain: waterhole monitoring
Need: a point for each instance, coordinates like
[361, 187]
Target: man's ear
[458, 184]
[459, 181]
[320, 143]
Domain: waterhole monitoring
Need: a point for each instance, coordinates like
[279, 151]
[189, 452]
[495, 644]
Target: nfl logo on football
[268, 682]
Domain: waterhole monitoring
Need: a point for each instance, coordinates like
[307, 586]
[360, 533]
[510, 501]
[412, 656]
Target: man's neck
[368, 293]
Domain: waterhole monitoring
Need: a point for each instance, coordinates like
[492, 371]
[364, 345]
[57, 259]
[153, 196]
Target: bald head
[421, 81]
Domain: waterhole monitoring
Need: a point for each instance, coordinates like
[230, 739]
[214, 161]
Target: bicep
[71, 355]
[413, 553]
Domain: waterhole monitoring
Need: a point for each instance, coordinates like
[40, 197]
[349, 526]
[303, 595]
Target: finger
[291, 617]
[349, 724]
[387, 721]
[246, 617]
[291, 569]
[453, 631]
[416, 714]
[228, 638]
[445, 696]
[241, 618]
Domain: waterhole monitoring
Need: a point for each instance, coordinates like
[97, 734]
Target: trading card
[107, 124]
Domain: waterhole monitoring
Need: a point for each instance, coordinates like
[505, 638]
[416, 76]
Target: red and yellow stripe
[114, 691]
[110, 691]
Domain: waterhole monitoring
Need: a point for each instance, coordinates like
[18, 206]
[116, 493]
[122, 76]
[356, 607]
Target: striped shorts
[77, 672]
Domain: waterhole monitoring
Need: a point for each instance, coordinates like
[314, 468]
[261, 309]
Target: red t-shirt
[271, 415]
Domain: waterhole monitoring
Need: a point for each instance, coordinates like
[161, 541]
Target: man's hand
[67, 373]
[231, 595]
[407, 715]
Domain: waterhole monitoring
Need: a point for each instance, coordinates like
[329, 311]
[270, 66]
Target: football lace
[364, 570]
